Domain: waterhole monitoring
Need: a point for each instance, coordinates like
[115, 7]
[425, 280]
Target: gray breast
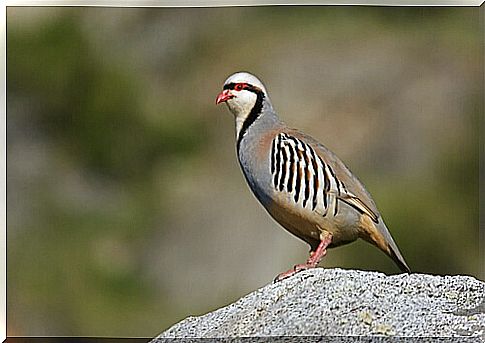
[256, 168]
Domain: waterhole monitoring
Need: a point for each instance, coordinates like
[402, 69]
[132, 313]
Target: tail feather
[379, 235]
[399, 260]
[392, 249]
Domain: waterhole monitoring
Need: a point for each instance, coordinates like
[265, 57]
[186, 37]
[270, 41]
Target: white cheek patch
[241, 105]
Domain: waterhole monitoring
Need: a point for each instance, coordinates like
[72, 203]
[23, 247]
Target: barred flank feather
[297, 169]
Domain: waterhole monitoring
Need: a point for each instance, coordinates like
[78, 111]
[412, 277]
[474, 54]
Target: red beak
[224, 96]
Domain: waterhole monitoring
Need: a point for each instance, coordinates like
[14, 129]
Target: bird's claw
[296, 269]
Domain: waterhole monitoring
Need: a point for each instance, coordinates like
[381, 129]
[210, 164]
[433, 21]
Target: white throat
[241, 106]
[239, 125]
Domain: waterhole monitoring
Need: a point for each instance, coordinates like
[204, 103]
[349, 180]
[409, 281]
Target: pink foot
[315, 257]
[296, 269]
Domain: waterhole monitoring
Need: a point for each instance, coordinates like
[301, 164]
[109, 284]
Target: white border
[3, 172]
[133, 3]
[219, 3]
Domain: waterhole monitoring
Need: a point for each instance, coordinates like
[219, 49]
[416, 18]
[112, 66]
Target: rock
[334, 302]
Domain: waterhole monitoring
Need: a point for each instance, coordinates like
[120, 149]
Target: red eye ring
[239, 86]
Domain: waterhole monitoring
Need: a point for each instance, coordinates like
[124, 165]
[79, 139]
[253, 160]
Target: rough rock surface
[334, 302]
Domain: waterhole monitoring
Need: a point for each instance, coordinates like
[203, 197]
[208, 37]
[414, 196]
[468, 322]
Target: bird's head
[242, 92]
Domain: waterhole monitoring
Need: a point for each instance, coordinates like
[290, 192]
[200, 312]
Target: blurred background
[127, 210]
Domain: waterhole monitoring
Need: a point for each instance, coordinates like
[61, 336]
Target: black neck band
[253, 115]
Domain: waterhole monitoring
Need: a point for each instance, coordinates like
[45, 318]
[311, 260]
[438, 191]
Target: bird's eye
[239, 86]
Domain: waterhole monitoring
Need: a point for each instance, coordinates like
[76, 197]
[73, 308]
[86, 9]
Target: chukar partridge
[303, 185]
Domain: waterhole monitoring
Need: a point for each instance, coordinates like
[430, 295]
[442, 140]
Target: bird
[303, 185]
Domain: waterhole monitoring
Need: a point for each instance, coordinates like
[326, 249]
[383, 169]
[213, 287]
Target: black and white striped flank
[297, 169]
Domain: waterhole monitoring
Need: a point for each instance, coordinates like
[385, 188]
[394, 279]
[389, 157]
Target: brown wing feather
[359, 205]
[359, 197]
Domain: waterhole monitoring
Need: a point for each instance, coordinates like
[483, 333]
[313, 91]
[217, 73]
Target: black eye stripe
[229, 86]
[249, 87]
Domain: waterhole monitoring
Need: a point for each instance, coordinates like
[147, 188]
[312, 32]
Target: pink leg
[315, 257]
